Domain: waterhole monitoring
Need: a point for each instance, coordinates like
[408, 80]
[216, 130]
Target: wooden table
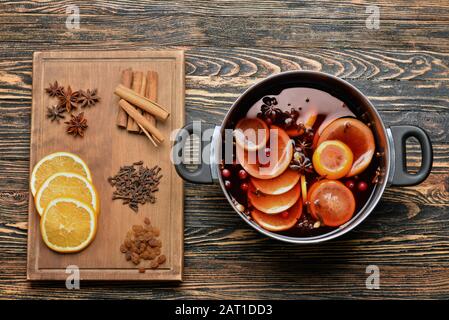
[403, 67]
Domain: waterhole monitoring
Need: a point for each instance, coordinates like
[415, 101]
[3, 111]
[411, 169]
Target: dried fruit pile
[68, 101]
[141, 243]
[136, 184]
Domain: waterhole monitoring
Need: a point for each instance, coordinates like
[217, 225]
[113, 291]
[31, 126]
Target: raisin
[154, 264]
[161, 259]
[153, 242]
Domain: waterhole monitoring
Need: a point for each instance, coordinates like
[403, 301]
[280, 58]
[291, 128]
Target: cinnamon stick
[140, 101]
[142, 90]
[126, 80]
[139, 118]
[136, 86]
[151, 92]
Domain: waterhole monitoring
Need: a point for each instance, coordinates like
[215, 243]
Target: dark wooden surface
[403, 68]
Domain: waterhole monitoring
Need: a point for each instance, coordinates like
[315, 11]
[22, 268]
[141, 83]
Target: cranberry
[284, 214]
[244, 186]
[350, 184]
[226, 173]
[267, 152]
[228, 184]
[242, 174]
[362, 186]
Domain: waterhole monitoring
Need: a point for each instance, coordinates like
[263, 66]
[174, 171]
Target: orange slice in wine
[273, 204]
[304, 188]
[332, 159]
[278, 222]
[280, 156]
[295, 132]
[281, 184]
[331, 202]
[251, 134]
[357, 136]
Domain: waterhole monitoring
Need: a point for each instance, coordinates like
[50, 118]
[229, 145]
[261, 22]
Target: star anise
[55, 113]
[77, 125]
[269, 109]
[88, 98]
[54, 90]
[302, 145]
[301, 163]
[69, 99]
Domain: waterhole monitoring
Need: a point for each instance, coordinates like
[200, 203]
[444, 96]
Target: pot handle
[399, 136]
[203, 174]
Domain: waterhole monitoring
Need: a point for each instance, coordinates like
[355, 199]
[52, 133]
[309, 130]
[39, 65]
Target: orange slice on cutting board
[357, 136]
[68, 225]
[54, 163]
[278, 222]
[273, 204]
[67, 185]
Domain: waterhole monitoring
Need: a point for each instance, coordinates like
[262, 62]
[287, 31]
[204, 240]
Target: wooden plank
[320, 9]
[372, 64]
[183, 29]
[106, 148]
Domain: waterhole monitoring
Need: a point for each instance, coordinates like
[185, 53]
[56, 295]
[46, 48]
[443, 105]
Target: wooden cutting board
[105, 148]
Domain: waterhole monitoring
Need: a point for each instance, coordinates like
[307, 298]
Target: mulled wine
[304, 163]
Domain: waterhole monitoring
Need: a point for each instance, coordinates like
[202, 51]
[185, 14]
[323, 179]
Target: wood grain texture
[403, 67]
[106, 148]
[287, 24]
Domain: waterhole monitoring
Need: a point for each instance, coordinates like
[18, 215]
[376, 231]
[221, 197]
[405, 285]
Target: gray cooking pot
[390, 144]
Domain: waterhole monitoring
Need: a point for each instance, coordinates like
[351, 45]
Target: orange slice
[277, 222]
[68, 225]
[273, 204]
[331, 202]
[66, 185]
[357, 136]
[332, 159]
[304, 188]
[295, 132]
[54, 163]
[281, 184]
[278, 161]
[251, 134]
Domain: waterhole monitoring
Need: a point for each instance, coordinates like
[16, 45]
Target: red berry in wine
[350, 184]
[362, 186]
[242, 174]
[284, 214]
[226, 173]
[268, 121]
[267, 152]
[244, 186]
[228, 184]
